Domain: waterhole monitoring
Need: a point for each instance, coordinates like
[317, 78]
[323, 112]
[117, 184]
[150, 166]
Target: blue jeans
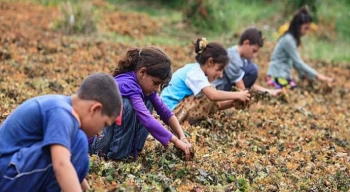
[251, 73]
[118, 142]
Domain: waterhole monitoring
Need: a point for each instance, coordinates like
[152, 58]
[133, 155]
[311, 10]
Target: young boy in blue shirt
[43, 143]
[241, 72]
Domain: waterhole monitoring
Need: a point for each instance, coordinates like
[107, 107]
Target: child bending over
[43, 143]
[139, 75]
[285, 55]
[189, 84]
[241, 72]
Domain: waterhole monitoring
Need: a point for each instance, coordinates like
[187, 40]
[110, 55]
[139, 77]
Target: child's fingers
[187, 153]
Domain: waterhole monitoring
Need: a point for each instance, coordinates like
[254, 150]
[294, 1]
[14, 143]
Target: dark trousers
[251, 73]
[118, 142]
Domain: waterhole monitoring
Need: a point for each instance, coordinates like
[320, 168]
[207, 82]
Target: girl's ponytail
[205, 50]
[154, 59]
[128, 63]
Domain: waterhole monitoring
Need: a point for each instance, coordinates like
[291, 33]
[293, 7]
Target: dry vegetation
[272, 146]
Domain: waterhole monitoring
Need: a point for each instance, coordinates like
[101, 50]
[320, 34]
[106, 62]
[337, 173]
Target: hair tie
[202, 44]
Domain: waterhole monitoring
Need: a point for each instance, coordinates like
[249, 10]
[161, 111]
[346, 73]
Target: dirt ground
[272, 146]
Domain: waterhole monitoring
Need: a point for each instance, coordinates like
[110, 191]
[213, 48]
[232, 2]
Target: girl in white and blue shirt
[195, 78]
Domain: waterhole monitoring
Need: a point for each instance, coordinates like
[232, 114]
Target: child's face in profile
[250, 51]
[148, 83]
[94, 121]
[304, 28]
[214, 71]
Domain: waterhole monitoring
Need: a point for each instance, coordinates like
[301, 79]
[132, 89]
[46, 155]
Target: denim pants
[118, 142]
[251, 73]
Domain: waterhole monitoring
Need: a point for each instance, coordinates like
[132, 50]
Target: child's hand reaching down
[243, 95]
[185, 147]
[325, 78]
[274, 92]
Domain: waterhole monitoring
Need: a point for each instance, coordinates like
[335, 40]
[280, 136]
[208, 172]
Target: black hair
[213, 50]
[155, 60]
[253, 35]
[101, 87]
[300, 18]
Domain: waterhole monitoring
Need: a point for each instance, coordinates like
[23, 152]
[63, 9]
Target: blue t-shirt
[186, 81]
[43, 121]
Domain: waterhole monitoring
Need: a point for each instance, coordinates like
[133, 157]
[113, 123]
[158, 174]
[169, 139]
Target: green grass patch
[338, 13]
[330, 51]
[152, 8]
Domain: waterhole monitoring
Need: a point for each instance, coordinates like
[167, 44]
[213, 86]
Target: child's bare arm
[85, 185]
[64, 171]
[216, 95]
[176, 127]
[222, 105]
[240, 85]
[273, 92]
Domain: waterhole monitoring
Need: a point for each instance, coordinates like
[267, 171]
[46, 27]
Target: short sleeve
[196, 80]
[59, 127]
[233, 70]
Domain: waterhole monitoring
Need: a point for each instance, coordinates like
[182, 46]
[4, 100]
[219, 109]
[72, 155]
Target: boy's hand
[274, 92]
[243, 95]
[185, 147]
[64, 171]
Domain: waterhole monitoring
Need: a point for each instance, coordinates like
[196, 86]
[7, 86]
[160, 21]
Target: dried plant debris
[299, 141]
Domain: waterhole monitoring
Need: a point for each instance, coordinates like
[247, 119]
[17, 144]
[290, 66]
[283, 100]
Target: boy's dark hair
[253, 35]
[300, 18]
[213, 50]
[157, 62]
[101, 87]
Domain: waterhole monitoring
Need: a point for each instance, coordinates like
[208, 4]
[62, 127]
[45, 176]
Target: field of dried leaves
[301, 143]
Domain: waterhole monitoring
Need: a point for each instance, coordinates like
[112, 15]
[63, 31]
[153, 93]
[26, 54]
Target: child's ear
[246, 42]
[142, 71]
[96, 107]
[210, 61]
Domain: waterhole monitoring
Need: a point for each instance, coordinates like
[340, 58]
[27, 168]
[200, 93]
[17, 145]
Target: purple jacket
[130, 88]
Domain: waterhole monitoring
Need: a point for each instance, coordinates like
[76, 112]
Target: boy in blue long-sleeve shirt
[43, 143]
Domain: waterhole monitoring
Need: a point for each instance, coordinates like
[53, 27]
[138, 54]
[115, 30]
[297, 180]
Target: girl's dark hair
[214, 50]
[157, 62]
[300, 18]
[253, 35]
